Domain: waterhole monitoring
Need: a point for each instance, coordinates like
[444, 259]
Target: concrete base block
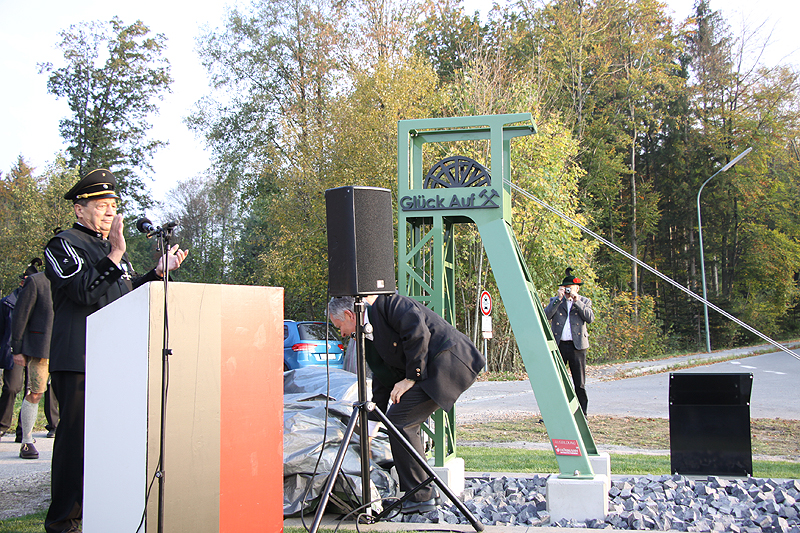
[577, 499]
[601, 464]
[452, 473]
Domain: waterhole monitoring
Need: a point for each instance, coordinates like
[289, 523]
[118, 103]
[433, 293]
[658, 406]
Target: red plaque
[566, 447]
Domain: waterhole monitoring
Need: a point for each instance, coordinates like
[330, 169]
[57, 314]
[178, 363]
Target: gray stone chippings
[658, 503]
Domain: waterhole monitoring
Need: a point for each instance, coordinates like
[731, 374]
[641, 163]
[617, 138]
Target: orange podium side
[223, 466]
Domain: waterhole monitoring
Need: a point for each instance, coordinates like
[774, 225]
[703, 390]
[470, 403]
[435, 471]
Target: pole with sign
[486, 310]
[486, 322]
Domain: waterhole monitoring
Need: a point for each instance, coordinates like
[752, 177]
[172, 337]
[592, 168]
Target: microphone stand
[164, 235]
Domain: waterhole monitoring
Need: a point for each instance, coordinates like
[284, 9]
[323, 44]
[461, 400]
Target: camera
[567, 291]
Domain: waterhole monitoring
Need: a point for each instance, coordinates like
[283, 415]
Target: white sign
[486, 303]
[486, 326]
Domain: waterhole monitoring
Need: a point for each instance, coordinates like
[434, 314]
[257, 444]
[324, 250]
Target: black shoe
[418, 507]
[28, 451]
[51, 434]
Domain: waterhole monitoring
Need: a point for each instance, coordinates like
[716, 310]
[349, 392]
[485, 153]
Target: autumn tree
[31, 207]
[112, 76]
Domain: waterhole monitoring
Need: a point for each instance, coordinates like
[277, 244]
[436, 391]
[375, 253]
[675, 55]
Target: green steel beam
[426, 270]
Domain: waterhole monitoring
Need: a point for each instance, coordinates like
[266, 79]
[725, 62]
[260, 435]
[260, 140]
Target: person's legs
[575, 360]
[12, 384]
[37, 384]
[66, 483]
[51, 411]
[413, 409]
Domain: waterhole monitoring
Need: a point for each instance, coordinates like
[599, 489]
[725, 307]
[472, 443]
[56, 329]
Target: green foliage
[626, 329]
[111, 76]
[634, 110]
[31, 207]
[446, 35]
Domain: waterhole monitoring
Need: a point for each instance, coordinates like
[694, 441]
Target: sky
[29, 29]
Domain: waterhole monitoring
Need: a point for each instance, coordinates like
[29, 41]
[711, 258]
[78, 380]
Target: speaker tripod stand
[360, 413]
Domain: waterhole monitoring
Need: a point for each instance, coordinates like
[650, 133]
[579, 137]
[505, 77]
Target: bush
[626, 330]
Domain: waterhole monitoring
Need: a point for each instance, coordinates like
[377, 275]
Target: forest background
[635, 112]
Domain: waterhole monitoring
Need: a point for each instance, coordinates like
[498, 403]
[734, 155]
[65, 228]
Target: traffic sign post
[486, 327]
[486, 303]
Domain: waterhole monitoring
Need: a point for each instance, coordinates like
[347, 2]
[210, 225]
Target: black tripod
[360, 412]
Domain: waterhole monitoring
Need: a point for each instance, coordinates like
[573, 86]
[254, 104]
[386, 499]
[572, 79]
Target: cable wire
[649, 268]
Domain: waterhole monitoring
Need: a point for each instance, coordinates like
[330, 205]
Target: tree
[31, 207]
[738, 103]
[208, 224]
[113, 74]
[447, 35]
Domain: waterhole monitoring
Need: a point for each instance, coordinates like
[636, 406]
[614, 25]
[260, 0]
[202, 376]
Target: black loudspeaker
[709, 423]
[360, 241]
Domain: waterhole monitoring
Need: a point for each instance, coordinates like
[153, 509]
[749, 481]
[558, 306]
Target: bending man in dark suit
[31, 327]
[567, 307]
[419, 362]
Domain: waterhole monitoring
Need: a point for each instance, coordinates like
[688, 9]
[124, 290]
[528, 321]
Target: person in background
[13, 375]
[421, 363]
[568, 307]
[31, 327]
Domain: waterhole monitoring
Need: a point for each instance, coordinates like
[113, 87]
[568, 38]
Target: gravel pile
[640, 503]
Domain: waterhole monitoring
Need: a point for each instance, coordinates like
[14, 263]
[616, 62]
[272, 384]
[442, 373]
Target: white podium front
[224, 427]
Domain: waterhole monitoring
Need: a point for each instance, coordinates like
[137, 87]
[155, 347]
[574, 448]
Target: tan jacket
[580, 315]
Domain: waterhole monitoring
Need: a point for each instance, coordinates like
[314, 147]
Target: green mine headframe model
[459, 190]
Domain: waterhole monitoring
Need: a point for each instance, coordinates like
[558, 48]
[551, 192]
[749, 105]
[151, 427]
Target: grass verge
[544, 462]
[32, 523]
[769, 436]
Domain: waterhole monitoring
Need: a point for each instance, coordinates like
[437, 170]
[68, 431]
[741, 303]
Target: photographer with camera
[573, 341]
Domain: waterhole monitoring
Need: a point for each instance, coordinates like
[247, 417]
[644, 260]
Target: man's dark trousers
[576, 361]
[13, 381]
[67, 475]
[413, 409]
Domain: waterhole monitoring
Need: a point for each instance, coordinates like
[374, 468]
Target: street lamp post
[700, 231]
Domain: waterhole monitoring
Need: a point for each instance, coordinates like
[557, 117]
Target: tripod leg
[335, 469]
[428, 470]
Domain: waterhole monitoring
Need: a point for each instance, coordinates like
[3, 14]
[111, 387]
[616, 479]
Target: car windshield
[315, 331]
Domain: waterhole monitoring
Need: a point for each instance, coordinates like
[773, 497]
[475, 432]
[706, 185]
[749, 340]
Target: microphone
[144, 225]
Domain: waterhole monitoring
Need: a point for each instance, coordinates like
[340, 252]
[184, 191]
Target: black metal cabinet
[709, 423]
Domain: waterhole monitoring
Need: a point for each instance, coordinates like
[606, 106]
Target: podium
[224, 424]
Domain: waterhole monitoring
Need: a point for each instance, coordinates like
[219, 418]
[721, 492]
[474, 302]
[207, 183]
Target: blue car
[304, 345]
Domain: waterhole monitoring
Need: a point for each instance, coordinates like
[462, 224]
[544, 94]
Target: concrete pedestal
[601, 464]
[577, 499]
[452, 473]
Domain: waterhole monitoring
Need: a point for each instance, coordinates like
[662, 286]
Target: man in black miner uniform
[88, 268]
[419, 362]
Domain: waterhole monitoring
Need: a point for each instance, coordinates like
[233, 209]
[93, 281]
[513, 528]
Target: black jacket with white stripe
[83, 279]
